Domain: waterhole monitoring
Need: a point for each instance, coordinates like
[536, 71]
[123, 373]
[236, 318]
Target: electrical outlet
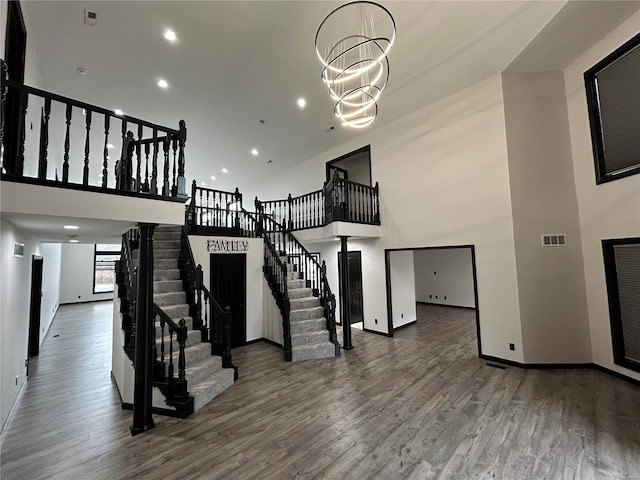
[512, 346]
[436, 296]
[430, 296]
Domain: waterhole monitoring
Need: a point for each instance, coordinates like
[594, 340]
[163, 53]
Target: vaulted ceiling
[235, 63]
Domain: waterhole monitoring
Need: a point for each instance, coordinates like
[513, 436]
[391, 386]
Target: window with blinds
[622, 267]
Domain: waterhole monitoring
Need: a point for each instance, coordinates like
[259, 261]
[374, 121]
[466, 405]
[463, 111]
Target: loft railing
[75, 145]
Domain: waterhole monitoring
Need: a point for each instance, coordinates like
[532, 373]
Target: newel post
[238, 199]
[144, 356]
[345, 295]
[182, 186]
[290, 203]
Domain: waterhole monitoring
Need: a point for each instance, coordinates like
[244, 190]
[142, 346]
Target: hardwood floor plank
[419, 406]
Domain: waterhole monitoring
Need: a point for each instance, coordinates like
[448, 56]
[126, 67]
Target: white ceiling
[238, 62]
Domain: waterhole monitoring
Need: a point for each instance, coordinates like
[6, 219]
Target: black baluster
[174, 185]
[162, 324]
[170, 369]
[376, 217]
[166, 189]
[182, 141]
[105, 151]
[154, 164]
[147, 148]
[200, 206]
[87, 126]
[44, 139]
[139, 159]
[23, 101]
[120, 164]
[182, 338]
[65, 163]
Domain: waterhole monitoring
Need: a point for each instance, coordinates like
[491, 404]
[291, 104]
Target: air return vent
[554, 240]
[90, 18]
[18, 249]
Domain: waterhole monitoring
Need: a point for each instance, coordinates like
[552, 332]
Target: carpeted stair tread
[313, 351]
[202, 370]
[204, 392]
[304, 303]
[170, 298]
[165, 263]
[193, 337]
[176, 312]
[193, 353]
[295, 284]
[165, 254]
[306, 338]
[315, 324]
[295, 293]
[306, 313]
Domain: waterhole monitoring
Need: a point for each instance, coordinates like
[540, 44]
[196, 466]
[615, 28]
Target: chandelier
[352, 42]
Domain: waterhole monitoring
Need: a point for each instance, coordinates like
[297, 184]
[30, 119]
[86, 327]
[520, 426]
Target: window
[613, 99]
[622, 269]
[104, 267]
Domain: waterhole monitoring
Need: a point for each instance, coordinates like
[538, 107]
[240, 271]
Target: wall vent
[554, 240]
[18, 249]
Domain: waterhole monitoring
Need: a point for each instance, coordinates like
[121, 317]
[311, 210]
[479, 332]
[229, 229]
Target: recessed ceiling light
[109, 146]
[213, 177]
[71, 227]
[81, 71]
[302, 102]
[170, 35]
[162, 83]
[202, 183]
[74, 241]
[254, 151]
[118, 112]
[224, 170]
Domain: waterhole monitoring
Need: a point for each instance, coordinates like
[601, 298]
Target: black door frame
[351, 272]
[35, 307]
[214, 292]
[387, 268]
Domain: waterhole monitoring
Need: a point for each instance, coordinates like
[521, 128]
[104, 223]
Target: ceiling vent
[90, 18]
[554, 240]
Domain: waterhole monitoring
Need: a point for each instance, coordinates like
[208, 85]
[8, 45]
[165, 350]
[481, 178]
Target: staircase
[204, 373]
[309, 334]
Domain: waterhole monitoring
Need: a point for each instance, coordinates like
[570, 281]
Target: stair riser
[159, 254]
[161, 275]
[295, 284]
[308, 326]
[312, 313]
[301, 303]
[203, 394]
[192, 354]
[177, 311]
[188, 322]
[166, 245]
[193, 338]
[295, 293]
[167, 286]
[165, 264]
[205, 370]
[168, 299]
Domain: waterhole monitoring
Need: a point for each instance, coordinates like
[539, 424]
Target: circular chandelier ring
[346, 5]
[376, 40]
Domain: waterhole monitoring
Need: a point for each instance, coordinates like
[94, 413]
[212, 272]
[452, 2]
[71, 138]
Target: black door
[36, 302]
[355, 285]
[335, 194]
[228, 286]
[15, 50]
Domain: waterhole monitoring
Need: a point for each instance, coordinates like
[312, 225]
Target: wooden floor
[418, 406]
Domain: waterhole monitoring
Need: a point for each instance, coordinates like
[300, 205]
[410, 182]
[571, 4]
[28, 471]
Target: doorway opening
[229, 287]
[33, 348]
[442, 277]
[355, 288]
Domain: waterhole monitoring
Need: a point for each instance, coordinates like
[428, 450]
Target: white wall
[550, 280]
[15, 293]
[52, 254]
[610, 210]
[452, 283]
[272, 318]
[254, 277]
[444, 180]
[77, 275]
[403, 293]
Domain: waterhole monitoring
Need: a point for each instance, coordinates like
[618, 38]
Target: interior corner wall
[52, 266]
[444, 180]
[254, 278]
[403, 292]
[444, 276]
[550, 279]
[76, 278]
[4, 6]
[15, 293]
[606, 211]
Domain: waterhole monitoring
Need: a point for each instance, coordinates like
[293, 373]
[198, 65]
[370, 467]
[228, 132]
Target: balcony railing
[57, 141]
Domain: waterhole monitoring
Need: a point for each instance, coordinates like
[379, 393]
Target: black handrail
[129, 284]
[167, 142]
